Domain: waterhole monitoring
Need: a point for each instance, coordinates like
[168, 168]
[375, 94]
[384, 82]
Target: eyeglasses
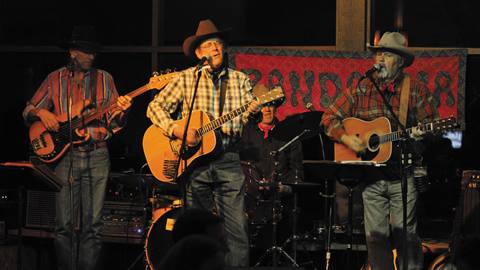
[211, 43]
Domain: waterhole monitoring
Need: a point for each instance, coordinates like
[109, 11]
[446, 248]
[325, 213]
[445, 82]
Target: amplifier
[40, 209]
[123, 219]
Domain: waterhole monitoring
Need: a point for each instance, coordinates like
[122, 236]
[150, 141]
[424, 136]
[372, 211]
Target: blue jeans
[90, 174]
[219, 186]
[383, 214]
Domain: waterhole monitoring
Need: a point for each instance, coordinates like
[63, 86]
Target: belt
[90, 146]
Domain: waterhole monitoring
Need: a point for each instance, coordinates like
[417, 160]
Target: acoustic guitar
[50, 146]
[378, 137]
[162, 152]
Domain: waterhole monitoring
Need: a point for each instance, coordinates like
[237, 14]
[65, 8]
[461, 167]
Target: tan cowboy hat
[83, 38]
[205, 30]
[260, 90]
[396, 43]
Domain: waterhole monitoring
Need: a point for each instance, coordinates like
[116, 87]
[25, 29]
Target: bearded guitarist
[84, 169]
[401, 100]
[217, 183]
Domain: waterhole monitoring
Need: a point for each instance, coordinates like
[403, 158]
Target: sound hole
[374, 141]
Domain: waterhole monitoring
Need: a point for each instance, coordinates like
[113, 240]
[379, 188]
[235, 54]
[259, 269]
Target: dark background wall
[29, 32]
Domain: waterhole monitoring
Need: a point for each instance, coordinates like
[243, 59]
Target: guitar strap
[404, 96]
[93, 86]
[223, 90]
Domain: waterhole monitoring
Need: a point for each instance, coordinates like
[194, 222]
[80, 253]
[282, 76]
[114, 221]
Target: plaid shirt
[52, 96]
[365, 102]
[179, 92]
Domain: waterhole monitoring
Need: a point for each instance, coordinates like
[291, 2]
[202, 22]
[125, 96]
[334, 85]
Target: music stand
[348, 173]
[32, 174]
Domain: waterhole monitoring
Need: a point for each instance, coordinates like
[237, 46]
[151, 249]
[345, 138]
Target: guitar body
[50, 146]
[161, 152]
[368, 132]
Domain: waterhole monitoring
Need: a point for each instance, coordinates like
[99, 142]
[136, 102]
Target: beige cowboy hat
[396, 43]
[260, 90]
[206, 29]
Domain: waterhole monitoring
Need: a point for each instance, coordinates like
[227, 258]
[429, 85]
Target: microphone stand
[183, 186]
[405, 162]
[73, 216]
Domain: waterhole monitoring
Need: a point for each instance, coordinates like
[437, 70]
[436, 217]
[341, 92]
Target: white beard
[387, 75]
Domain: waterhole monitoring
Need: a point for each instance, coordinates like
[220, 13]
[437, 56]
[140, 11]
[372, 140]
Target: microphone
[201, 64]
[375, 68]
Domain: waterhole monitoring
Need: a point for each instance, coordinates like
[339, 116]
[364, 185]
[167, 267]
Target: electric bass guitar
[49, 146]
[162, 152]
[378, 137]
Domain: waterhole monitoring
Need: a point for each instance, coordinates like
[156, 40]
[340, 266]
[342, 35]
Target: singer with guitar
[66, 92]
[216, 182]
[399, 99]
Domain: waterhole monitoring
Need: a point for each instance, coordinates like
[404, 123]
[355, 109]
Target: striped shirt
[53, 93]
[179, 92]
[366, 103]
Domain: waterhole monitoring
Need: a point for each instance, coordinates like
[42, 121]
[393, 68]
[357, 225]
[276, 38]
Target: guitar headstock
[445, 124]
[275, 93]
[158, 81]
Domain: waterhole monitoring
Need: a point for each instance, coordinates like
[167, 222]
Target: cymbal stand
[328, 211]
[294, 237]
[274, 249]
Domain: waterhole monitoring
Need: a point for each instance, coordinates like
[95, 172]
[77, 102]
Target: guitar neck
[222, 120]
[97, 114]
[397, 135]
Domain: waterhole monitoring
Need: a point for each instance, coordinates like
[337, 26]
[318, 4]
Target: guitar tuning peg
[155, 73]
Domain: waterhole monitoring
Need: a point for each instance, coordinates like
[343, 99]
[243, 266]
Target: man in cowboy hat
[411, 102]
[258, 143]
[84, 168]
[217, 183]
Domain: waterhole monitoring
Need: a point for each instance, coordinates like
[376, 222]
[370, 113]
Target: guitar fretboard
[222, 120]
[397, 135]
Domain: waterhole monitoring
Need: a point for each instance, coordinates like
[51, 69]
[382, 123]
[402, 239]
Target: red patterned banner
[317, 77]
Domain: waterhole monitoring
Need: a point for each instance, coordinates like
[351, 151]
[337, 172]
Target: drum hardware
[159, 237]
[258, 202]
[274, 249]
[159, 200]
[296, 188]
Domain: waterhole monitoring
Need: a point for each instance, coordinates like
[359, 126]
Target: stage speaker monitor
[40, 209]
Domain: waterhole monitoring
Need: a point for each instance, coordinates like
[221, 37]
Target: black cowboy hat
[83, 38]
[205, 30]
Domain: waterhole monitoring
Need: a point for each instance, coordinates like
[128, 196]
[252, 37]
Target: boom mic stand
[74, 251]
